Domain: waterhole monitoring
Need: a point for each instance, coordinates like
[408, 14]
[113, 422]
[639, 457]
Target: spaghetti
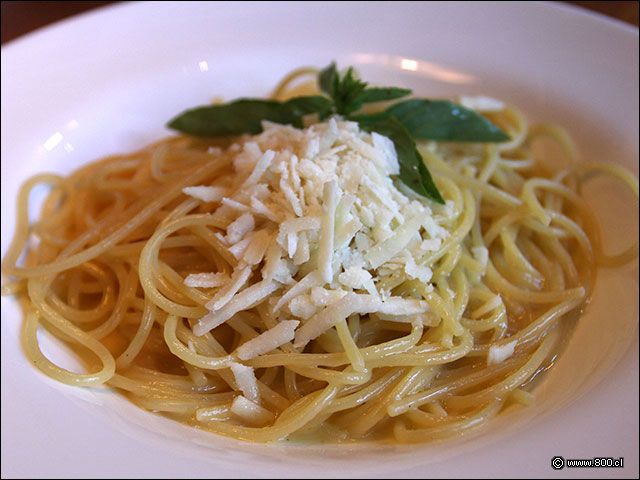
[283, 286]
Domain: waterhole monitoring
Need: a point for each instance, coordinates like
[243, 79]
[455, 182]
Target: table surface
[20, 18]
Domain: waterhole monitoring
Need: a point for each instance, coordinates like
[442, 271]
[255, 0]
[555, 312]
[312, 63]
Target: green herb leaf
[346, 94]
[380, 94]
[369, 95]
[241, 116]
[413, 171]
[328, 79]
[350, 93]
[312, 104]
[246, 115]
[344, 90]
[446, 121]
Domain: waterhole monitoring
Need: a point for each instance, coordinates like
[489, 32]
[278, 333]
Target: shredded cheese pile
[320, 230]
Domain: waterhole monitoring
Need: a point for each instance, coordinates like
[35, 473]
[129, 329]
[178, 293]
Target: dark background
[19, 18]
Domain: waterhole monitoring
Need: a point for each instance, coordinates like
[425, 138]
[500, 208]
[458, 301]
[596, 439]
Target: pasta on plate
[293, 283]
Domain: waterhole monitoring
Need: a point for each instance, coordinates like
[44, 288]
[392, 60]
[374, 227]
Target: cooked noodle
[117, 238]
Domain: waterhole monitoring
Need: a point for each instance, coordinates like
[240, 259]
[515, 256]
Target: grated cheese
[222, 296]
[233, 204]
[206, 280]
[267, 341]
[261, 166]
[352, 303]
[481, 254]
[257, 247]
[325, 250]
[302, 251]
[299, 288]
[238, 249]
[251, 412]
[246, 381]
[302, 307]
[207, 194]
[321, 297]
[240, 227]
[498, 354]
[247, 298]
[317, 214]
[430, 245]
[354, 277]
[419, 272]
[386, 250]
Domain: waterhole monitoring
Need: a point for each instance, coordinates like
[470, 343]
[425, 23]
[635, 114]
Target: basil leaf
[328, 79]
[380, 94]
[246, 115]
[446, 121]
[312, 104]
[376, 94]
[413, 171]
[350, 93]
[343, 90]
[349, 89]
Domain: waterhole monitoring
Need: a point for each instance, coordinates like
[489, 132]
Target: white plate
[107, 81]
